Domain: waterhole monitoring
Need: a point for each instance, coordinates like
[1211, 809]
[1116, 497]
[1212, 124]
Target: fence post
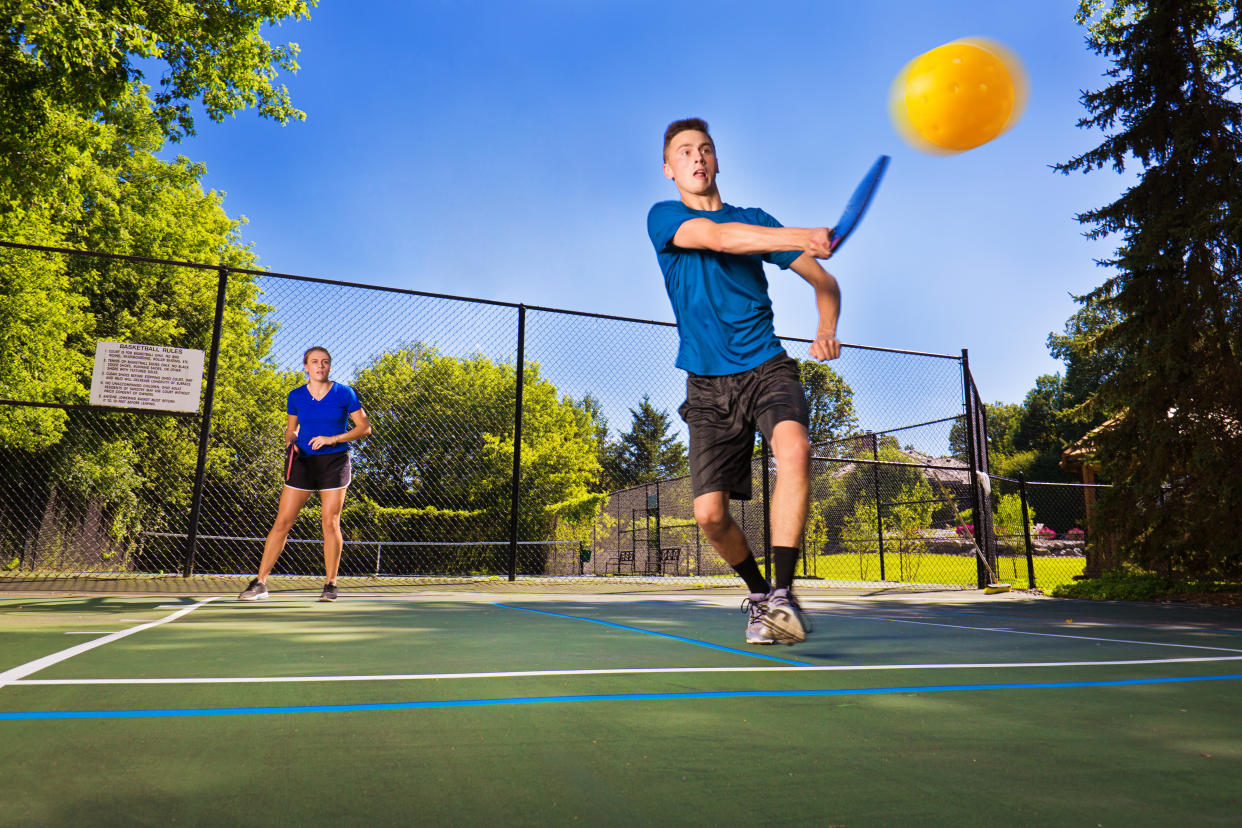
[879, 519]
[976, 493]
[1026, 530]
[515, 503]
[204, 431]
[767, 511]
[659, 535]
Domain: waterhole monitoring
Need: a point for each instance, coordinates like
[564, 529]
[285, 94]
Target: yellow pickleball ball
[958, 96]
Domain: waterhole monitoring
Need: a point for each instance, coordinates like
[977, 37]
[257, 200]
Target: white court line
[813, 668]
[12, 675]
[1048, 635]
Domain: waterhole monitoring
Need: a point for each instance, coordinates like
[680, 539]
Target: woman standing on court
[317, 437]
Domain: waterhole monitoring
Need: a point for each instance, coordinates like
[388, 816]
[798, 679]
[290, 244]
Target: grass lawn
[928, 568]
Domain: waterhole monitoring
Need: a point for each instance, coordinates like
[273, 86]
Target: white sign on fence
[128, 375]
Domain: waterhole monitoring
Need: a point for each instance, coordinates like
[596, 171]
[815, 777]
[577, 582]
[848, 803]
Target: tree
[830, 400]
[442, 446]
[593, 410]
[903, 523]
[134, 471]
[1173, 304]
[78, 169]
[647, 452]
[80, 59]
[1002, 421]
[849, 491]
[1087, 365]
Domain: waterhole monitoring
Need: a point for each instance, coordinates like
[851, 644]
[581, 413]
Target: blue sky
[511, 152]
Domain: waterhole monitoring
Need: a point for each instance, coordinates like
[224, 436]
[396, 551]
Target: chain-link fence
[468, 473]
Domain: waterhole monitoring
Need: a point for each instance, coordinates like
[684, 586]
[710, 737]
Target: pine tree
[1172, 444]
[647, 452]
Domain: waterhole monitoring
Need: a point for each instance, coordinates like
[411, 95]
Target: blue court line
[1159, 626]
[608, 697]
[696, 642]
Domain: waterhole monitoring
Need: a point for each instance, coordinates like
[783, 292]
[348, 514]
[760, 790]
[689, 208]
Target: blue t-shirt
[322, 418]
[720, 300]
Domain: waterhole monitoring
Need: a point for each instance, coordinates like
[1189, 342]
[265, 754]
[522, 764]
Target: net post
[1026, 530]
[204, 431]
[515, 503]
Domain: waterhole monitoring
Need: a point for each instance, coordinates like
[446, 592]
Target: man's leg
[291, 502]
[711, 512]
[792, 449]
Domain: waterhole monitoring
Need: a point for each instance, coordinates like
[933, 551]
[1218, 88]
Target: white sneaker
[784, 619]
[756, 631]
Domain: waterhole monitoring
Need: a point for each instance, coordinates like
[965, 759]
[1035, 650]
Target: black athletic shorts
[722, 413]
[320, 472]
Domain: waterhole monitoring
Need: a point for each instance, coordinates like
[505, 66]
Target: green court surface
[476, 708]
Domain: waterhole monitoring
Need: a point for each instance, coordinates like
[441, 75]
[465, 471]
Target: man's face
[691, 162]
[318, 364]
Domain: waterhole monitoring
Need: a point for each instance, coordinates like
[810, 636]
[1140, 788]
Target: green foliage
[78, 169]
[39, 315]
[850, 493]
[1167, 332]
[903, 521]
[442, 439]
[1087, 365]
[1007, 519]
[81, 58]
[647, 452]
[1127, 585]
[830, 400]
[1003, 422]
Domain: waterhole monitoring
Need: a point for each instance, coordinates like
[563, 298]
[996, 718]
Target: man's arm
[750, 239]
[827, 300]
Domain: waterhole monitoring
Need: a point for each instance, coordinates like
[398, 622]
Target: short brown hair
[311, 350]
[684, 125]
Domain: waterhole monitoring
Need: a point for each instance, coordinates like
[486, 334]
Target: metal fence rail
[492, 424]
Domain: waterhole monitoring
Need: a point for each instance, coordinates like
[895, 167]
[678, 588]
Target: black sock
[749, 570]
[784, 561]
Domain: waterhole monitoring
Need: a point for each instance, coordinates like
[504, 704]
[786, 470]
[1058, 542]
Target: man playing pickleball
[317, 437]
[712, 255]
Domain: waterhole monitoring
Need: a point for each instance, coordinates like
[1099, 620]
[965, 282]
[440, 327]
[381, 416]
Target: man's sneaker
[784, 619]
[756, 632]
[329, 593]
[253, 592]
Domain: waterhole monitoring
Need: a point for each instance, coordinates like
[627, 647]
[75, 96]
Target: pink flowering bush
[1046, 533]
[1075, 534]
[967, 531]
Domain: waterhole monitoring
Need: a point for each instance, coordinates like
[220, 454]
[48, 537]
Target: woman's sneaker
[784, 619]
[329, 593]
[253, 592]
[756, 631]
